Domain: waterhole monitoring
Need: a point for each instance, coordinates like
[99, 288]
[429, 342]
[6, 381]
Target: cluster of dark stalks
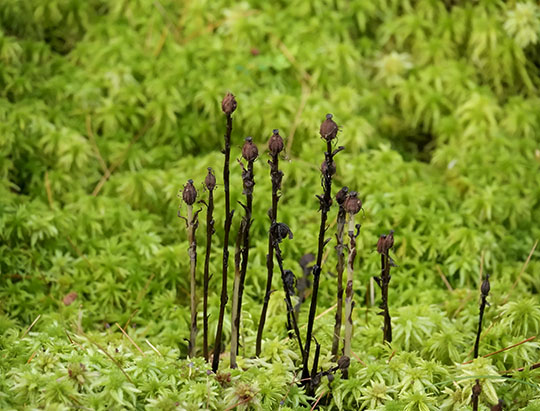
[349, 204]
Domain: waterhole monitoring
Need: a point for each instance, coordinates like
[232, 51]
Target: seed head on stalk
[189, 195]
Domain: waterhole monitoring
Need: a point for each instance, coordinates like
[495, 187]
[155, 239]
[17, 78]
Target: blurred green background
[108, 107]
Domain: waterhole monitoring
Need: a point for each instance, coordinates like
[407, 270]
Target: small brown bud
[210, 180]
[485, 286]
[189, 195]
[381, 244]
[326, 169]
[389, 241]
[275, 144]
[228, 104]
[329, 128]
[342, 195]
[343, 362]
[352, 204]
[249, 150]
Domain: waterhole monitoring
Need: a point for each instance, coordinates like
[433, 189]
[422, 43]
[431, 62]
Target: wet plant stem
[385, 281]
[276, 176]
[349, 289]
[288, 301]
[484, 289]
[249, 153]
[339, 268]
[325, 203]
[227, 229]
[209, 233]
[191, 227]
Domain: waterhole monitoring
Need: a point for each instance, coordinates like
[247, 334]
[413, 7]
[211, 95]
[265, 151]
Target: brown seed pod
[389, 241]
[275, 144]
[228, 104]
[189, 195]
[210, 180]
[381, 244]
[352, 204]
[342, 195]
[249, 150]
[326, 169]
[343, 362]
[329, 128]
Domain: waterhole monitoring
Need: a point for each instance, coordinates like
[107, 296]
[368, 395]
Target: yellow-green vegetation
[108, 107]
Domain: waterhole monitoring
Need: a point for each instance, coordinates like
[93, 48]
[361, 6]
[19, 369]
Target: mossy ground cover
[107, 108]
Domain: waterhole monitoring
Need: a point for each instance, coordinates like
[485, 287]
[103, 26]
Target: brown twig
[130, 340]
[30, 327]
[445, 280]
[504, 349]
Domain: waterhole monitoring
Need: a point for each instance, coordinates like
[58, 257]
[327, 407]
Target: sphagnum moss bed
[107, 108]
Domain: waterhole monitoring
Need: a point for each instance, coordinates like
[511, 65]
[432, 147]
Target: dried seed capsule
[343, 362]
[342, 195]
[275, 144]
[381, 244]
[331, 170]
[189, 195]
[210, 180]
[228, 104]
[389, 241]
[352, 204]
[329, 128]
[249, 150]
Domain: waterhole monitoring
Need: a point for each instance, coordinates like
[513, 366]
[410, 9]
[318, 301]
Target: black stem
[225, 266]
[339, 268]
[325, 203]
[276, 177]
[209, 232]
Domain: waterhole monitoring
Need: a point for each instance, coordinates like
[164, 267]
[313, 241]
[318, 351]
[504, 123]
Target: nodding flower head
[381, 246]
[228, 104]
[275, 144]
[210, 180]
[389, 241]
[329, 128]
[189, 195]
[484, 289]
[249, 150]
[342, 195]
[352, 204]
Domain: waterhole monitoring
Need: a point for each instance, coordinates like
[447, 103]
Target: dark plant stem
[288, 291]
[209, 232]
[227, 227]
[192, 226]
[349, 304]
[235, 321]
[245, 244]
[325, 203]
[276, 177]
[339, 268]
[385, 278]
[484, 289]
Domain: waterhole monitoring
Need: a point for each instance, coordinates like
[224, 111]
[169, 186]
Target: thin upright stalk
[339, 268]
[328, 169]
[210, 183]
[279, 231]
[189, 196]
[249, 153]
[349, 289]
[484, 289]
[193, 281]
[235, 320]
[228, 106]
[275, 145]
[384, 245]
